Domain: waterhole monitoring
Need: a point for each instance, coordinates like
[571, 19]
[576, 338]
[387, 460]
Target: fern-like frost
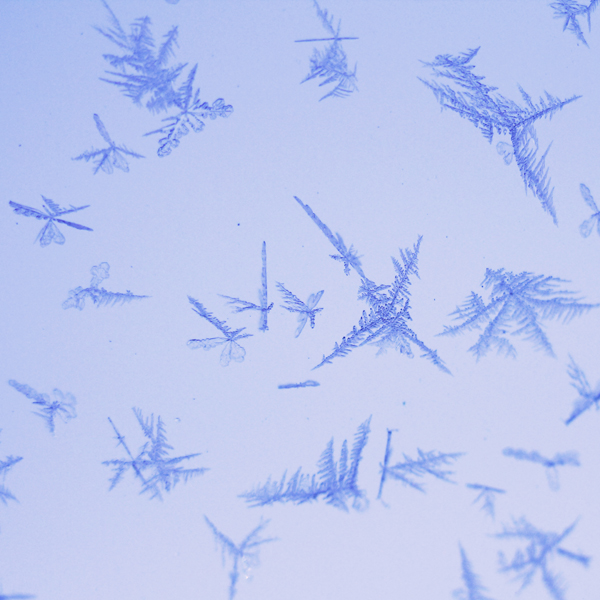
[98, 295]
[588, 225]
[192, 116]
[550, 464]
[157, 471]
[62, 406]
[571, 11]
[50, 232]
[107, 158]
[540, 548]
[335, 482]
[331, 63]
[244, 556]
[492, 113]
[588, 397]
[473, 589]
[307, 311]
[428, 463]
[520, 301]
[5, 466]
[487, 494]
[264, 307]
[232, 350]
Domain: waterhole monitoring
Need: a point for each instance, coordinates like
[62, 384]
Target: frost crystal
[62, 406]
[559, 460]
[386, 323]
[541, 547]
[336, 482]
[588, 225]
[428, 463]
[493, 113]
[99, 296]
[306, 310]
[264, 307]
[331, 64]
[50, 232]
[5, 466]
[244, 556]
[522, 300]
[110, 157]
[156, 470]
[232, 350]
[570, 11]
[588, 397]
[473, 589]
[488, 495]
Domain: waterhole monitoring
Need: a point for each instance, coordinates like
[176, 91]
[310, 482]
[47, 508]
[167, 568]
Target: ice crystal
[307, 383]
[153, 466]
[519, 300]
[588, 397]
[5, 466]
[570, 11]
[98, 295]
[264, 307]
[588, 225]
[232, 350]
[306, 310]
[386, 323]
[428, 463]
[335, 482]
[492, 113]
[110, 157]
[142, 69]
[541, 547]
[331, 64]
[190, 116]
[50, 232]
[559, 460]
[62, 406]
[244, 556]
[473, 589]
[488, 495]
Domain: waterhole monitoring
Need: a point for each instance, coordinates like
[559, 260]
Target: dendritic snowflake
[62, 406]
[488, 495]
[560, 459]
[264, 307]
[307, 311]
[110, 157]
[98, 295]
[191, 114]
[473, 589]
[50, 232]
[153, 466]
[492, 113]
[335, 482]
[5, 466]
[428, 463]
[244, 556]
[588, 225]
[142, 69]
[232, 350]
[331, 64]
[540, 548]
[570, 11]
[588, 397]
[386, 323]
[519, 301]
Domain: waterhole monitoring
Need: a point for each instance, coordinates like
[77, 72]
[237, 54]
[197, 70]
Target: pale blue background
[380, 167]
